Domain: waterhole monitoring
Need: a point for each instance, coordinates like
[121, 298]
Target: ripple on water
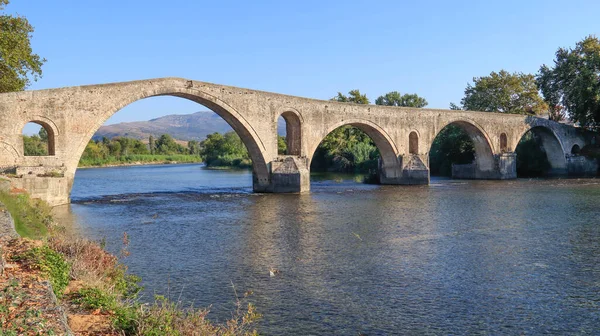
[455, 257]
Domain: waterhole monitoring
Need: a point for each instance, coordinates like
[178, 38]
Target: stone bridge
[403, 136]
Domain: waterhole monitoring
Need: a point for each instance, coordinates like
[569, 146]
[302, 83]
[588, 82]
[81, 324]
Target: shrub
[95, 298]
[51, 263]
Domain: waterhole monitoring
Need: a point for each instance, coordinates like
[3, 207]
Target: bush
[51, 263]
[95, 298]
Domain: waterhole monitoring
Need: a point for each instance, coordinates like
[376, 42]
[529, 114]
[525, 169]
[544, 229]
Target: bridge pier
[504, 167]
[410, 170]
[289, 174]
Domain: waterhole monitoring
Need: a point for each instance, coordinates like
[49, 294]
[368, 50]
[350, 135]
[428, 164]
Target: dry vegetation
[96, 292]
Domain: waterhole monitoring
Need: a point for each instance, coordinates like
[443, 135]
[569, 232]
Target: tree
[394, 98]
[573, 84]
[193, 147]
[43, 134]
[354, 96]
[18, 63]
[151, 145]
[504, 92]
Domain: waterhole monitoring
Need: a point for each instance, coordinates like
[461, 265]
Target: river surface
[454, 257]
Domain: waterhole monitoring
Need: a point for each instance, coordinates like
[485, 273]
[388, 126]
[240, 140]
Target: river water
[454, 257]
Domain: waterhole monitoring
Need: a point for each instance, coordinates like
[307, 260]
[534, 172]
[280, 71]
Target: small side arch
[293, 130]
[503, 143]
[51, 132]
[413, 143]
[575, 149]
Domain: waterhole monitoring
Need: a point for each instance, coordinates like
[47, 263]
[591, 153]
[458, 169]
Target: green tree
[43, 134]
[354, 96]
[281, 145]
[224, 150]
[34, 146]
[504, 92]
[451, 146]
[18, 63]
[394, 98]
[151, 145]
[573, 84]
[193, 147]
[166, 145]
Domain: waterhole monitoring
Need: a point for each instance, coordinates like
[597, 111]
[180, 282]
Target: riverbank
[138, 160]
[60, 282]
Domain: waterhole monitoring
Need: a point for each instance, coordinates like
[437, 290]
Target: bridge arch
[293, 130]
[484, 152]
[51, 131]
[413, 143]
[240, 125]
[551, 145]
[384, 143]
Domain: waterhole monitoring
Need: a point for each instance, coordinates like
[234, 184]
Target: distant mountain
[180, 126]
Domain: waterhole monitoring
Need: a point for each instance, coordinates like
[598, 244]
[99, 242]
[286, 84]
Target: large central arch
[240, 125]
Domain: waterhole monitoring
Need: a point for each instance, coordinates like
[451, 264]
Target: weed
[51, 263]
[95, 298]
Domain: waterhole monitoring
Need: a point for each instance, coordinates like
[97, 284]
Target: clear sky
[304, 48]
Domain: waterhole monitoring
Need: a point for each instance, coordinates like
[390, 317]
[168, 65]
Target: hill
[184, 127]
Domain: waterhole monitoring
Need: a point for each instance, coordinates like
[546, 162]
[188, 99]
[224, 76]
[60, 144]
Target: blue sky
[304, 48]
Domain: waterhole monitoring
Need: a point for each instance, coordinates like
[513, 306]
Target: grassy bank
[93, 286]
[31, 217]
[138, 159]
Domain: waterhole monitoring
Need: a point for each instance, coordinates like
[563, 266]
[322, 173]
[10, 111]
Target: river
[454, 257]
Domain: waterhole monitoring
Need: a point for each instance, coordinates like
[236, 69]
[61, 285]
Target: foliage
[451, 146]
[574, 82]
[531, 157]
[34, 146]
[354, 96]
[225, 150]
[166, 145]
[135, 158]
[394, 98]
[123, 150]
[31, 216]
[281, 145]
[51, 263]
[95, 298]
[346, 149]
[18, 63]
[504, 92]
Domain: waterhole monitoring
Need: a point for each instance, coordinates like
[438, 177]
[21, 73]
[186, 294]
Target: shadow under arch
[484, 154]
[551, 146]
[240, 125]
[382, 140]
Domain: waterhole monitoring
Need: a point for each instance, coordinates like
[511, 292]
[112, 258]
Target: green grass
[31, 217]
[143, 158]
